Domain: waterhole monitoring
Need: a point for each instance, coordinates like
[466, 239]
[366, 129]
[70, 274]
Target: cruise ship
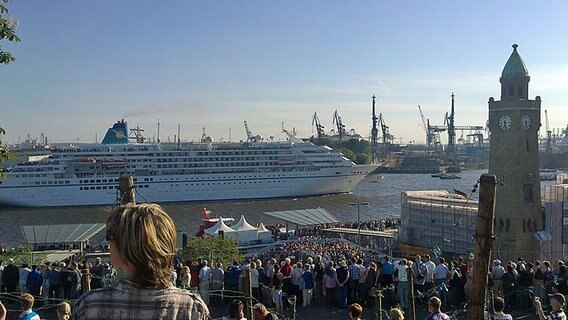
[178, 172]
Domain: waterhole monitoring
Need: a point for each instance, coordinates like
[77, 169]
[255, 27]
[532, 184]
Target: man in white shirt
[441, 275]
[24, 272]
[205, 281]
[430, 266]
[402, 283]
[497, 273]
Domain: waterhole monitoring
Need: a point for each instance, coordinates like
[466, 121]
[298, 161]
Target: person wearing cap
[557, 302]
[341, 278]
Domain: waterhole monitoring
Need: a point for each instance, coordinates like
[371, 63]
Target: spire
[515, 66]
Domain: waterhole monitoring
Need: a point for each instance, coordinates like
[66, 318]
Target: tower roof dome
[515, 66]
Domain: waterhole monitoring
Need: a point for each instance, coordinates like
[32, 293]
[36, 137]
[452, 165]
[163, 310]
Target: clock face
[526, 122]
[505, 123]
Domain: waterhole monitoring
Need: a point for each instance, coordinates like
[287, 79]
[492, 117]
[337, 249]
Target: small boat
[448, 176]
[548, 174]
[437, 175]
[114, 162]
[85, 160]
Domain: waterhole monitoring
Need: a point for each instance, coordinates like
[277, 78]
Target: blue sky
[82, 65]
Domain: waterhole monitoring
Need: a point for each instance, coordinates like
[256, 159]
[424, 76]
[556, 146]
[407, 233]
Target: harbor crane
[319, 127]
[548, 133]
[386, 136]
[374, 131]
[432, 132]
[374, 134]
[339, 124]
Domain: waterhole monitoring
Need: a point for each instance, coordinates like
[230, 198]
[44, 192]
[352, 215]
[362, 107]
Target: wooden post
[248, 293]
[484, 238]
[126, 188]
[411, 306]
[379, 304]
[85, 279]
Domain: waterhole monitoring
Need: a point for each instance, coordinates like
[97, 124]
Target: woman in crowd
[308, 281]
[185, 277]
[63, 311]
[235, 310]
[329, 283]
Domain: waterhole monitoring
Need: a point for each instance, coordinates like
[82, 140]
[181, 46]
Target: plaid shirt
[355, 271]
[128, 300]
[556, 315]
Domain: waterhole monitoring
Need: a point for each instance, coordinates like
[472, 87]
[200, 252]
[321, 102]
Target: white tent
[264, 234]
[221, 226]
[245, 232]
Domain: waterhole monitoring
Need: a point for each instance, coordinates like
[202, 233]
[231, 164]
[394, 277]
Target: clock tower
[513, 158]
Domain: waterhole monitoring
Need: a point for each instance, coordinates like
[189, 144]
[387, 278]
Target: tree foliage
[216, 249]
[358, 151]
[21, 254]
[5, 154]
[8, 28]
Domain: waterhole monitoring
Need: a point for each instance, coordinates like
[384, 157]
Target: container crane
[451, 129]
[432, 132]
[425, 126]
[319, 127]
[374, 130]
[387, 137]
[548, 133]
[339, 124]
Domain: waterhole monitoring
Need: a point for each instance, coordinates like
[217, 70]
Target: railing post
[484, 238]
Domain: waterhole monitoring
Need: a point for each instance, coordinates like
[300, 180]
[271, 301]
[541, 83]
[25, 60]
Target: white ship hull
[89, 174]
[186, 189]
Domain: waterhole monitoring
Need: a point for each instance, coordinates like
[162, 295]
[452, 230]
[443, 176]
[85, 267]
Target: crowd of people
[518, 283]
[52, 282]
[327, 272]
[315, 230]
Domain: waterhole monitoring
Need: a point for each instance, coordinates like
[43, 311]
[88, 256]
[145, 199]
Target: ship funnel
[118, 134]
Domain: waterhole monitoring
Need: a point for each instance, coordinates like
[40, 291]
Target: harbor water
[382, 192]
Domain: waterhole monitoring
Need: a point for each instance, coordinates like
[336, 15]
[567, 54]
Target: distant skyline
[83, 65]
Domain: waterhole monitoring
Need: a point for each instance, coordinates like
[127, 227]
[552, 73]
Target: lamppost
[358, 204]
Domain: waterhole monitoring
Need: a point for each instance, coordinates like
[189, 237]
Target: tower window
[528, 192]
[507, 225]
[520, 91]
[511, 91]
[527, 145]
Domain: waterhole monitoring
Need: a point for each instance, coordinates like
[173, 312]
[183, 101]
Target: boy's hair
[435, 303]
[145, 237]
[355, 310]
[27, 301]
[498, 304]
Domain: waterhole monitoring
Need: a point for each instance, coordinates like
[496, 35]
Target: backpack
[539, 275]
[420, 271]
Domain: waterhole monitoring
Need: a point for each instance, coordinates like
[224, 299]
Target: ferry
[81, 175]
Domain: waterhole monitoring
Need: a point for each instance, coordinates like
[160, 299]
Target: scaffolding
[554, 239]
[439, 220]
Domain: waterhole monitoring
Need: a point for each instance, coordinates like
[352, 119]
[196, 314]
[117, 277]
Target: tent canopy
[305, 217]
[243, 225]
[219, 226]
[61, 233]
